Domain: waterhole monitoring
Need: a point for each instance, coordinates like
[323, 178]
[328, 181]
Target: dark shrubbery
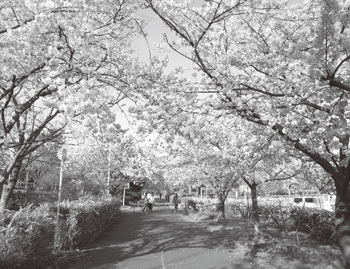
[86, 220]
[27, 236]
[318, 223]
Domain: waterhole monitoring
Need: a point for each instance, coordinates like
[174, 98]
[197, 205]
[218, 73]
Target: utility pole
[57, 231]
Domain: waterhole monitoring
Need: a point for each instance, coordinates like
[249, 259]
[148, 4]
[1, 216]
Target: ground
[165, 240]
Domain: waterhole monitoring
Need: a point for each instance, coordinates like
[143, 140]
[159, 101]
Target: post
[126, 186]
[124, 196]
[57, 230]
[109, 166]
[26, 181]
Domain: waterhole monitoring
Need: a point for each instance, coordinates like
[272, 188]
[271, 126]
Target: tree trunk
[8, 188]
[3, 178]
[342, 223]
[221, 207]
[255, 209]
[1, 188]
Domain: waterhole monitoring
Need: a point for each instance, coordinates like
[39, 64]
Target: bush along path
[29, 233]
[163, 239]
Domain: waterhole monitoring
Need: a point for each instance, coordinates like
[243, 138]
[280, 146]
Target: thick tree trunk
[342, 223]
[5, 195]
[8, 188]
[255, 209]
[221, 207]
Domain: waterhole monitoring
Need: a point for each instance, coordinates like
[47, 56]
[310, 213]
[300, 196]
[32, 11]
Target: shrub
[279, 215]
[190, 203]
[318, 223]
[27, 236]
[243, 210]
[204, 203]
[87, 219]
[26, 239]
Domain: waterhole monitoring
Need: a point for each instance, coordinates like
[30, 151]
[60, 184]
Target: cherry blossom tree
[59, 58]
[221, 152]
[102, 156]
[279, 66]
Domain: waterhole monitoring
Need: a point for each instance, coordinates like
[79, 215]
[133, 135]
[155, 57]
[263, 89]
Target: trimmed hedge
[27, 236]
[85, 221]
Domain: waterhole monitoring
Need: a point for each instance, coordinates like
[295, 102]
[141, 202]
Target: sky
[155, 30]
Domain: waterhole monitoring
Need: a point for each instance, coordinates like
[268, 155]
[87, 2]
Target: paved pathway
[160, 239]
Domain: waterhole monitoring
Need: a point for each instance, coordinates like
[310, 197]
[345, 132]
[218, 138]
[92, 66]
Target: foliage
[29, 233]
[191, 203]
[28, 239]
[86, 219]
[65, 64]
[20, 200]
[319, 224]
[114, 155]
[282, 67]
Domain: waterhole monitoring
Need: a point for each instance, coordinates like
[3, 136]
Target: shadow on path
[160, 240]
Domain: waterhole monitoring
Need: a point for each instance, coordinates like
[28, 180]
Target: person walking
[146, 203]
[151, 201]
[176, 201]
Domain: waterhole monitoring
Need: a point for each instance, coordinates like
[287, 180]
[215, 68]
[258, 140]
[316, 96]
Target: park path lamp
[57, 230]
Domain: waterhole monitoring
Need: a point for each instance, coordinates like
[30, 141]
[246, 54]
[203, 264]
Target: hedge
[27, 236]
[319, 224]
[85, 221]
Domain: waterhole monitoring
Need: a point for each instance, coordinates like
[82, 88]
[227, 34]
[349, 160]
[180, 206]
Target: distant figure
[176, 201]
[151, 201]
[146, 202]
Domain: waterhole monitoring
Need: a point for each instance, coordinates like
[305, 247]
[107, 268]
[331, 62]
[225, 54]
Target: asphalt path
[161, 239]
